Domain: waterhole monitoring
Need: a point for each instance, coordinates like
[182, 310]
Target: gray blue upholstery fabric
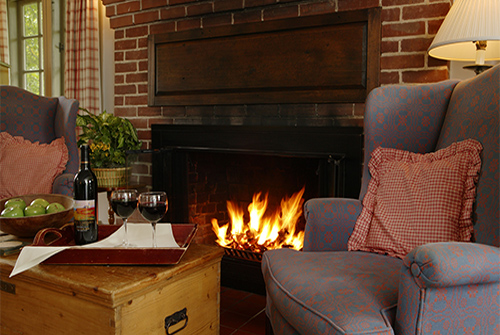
[450, 288]
[333, 292]
[329, 223]
[474, 113]
[439, 288]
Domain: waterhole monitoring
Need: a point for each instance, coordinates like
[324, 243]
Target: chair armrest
[63, 184]
[452, 286]
[329, 223]
[453, 263]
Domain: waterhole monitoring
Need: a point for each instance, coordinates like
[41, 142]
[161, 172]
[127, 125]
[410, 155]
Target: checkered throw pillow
[414, 199]
[29, 168]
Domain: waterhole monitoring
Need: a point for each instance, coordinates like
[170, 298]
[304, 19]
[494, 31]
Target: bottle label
[85, 215]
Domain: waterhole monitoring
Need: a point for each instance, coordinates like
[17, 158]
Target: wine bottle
[85, 195]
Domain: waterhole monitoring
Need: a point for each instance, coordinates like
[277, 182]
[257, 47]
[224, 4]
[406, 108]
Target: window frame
[23, 72]
[52, 13]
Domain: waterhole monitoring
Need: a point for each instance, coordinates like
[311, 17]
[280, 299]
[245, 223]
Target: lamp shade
[468, 21]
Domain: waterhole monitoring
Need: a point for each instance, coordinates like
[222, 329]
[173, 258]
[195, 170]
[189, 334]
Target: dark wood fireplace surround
[257, 63]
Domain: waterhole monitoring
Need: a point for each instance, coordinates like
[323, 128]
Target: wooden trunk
[73, 299]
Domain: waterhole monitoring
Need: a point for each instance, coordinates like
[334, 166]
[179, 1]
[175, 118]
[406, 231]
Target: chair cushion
[414, 199]
[29, 168]
[332, 292]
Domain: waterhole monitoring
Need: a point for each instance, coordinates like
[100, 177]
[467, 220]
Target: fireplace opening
[223, 186]
[217, 179]
[202, 168]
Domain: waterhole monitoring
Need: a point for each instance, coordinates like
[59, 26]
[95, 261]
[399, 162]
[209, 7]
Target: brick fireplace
[407, 30]
[408, 27]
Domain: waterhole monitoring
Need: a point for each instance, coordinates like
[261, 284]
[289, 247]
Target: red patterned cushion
[29, 168]
[414, 199]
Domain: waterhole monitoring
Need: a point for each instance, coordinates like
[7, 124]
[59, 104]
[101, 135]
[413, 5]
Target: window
[31, 52]
[36, 36]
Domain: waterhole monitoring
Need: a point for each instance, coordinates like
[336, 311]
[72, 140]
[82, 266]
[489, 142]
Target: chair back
[406, 117]
[474, 113]
[39, 118]
[28, 115]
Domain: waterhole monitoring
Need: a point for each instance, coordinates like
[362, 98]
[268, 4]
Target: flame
[262, 232]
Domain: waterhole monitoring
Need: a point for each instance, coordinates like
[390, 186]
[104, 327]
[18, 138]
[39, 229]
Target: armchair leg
[269, 328]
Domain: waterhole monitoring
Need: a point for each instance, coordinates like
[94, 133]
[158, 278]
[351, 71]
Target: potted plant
[109, 138]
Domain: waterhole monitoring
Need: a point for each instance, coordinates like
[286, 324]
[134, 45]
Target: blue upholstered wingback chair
[43, 119]
[438, 288]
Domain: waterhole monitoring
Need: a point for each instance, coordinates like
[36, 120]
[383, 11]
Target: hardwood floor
[242, 313]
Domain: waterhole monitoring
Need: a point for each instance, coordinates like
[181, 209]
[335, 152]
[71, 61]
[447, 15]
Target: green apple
[42, 202]
[33, 210]
[12, 212]
[15, 202]
[54, 208]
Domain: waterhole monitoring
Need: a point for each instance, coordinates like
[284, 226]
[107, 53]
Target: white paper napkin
[139, 236]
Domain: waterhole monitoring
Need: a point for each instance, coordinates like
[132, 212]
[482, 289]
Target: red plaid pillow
[414, 199]
[29, 168]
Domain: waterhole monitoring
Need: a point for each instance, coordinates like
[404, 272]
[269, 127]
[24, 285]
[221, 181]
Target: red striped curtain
[81, 66]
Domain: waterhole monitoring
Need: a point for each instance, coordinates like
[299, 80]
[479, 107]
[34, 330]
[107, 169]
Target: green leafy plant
[108, 136]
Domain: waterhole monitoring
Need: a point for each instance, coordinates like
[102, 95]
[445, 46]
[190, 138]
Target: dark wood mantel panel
[313, 59]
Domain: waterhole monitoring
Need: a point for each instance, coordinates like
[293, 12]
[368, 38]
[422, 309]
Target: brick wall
[407, 31]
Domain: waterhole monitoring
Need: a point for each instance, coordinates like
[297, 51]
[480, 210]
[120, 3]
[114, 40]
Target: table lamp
[470, 32]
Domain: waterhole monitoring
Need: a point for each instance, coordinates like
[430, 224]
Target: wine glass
[153, 206]
[124, 203]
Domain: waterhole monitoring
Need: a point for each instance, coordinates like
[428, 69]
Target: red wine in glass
[124, 203]
[152, 211]
[153, 206]
[124, 209]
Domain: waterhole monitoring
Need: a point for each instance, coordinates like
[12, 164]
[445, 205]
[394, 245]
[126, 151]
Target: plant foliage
[108, 136]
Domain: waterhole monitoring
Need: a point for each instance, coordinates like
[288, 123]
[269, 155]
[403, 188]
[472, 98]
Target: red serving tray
[183, 234]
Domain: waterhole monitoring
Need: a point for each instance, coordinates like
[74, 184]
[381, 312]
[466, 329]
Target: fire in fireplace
[205, 168]
[258, 230]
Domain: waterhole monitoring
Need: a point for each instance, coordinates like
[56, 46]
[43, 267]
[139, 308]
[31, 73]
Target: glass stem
[125, 238]
[153, 224]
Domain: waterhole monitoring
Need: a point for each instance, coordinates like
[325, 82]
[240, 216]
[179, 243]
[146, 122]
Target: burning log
[262, 233]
